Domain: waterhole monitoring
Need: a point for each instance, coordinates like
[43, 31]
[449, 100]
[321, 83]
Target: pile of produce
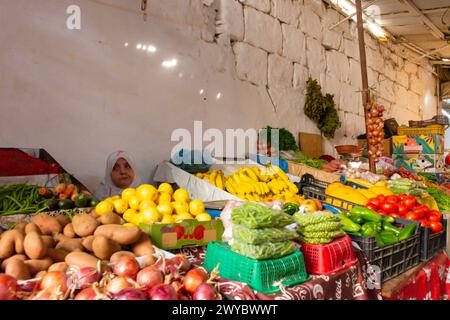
[406, 186]
[254, 184]
[407, 207]
[357, 196]
[368, 223]
[442, 198]
[51, 243]
[259, 233]
[23, 198]
[319, 227]
[321, 109]
[146, 205]
[124, 279]
[375, 130]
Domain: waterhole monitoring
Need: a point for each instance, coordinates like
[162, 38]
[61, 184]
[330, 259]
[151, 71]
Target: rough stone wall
[278, 44]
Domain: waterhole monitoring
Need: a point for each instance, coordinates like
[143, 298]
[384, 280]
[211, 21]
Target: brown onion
[149, 277]
[193, 279]
[86, 294]
[118, 284]
[126, 266]
[54, 280]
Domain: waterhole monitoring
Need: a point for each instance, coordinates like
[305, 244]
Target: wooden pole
[365, 81]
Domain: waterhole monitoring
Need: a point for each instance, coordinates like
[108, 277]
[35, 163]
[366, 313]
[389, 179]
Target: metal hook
[144, 8]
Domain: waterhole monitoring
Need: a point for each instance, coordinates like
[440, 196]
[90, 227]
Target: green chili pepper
[348, 225]
[369, 229]
[388, 237]
[389, 227]
[407, 232]
[366, 214]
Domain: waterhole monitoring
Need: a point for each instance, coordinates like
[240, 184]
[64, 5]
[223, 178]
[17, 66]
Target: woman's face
[122, 174]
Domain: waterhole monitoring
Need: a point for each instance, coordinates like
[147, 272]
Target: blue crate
[214, 213]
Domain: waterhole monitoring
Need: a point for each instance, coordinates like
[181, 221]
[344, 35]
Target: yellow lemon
[129, 224]
[115, 197]
[196, 207]
[145, 192]
[181, 195]
[109, 200]
[149, 215]
[120, 206]
[129, 215]
[203, 217]
[168, 219]
[165, 208]
[128, 193]
[164, 197]
[165, 187]
[146, 204]
[133, 202]
[180, 206]
[103, 207]
[183, 216]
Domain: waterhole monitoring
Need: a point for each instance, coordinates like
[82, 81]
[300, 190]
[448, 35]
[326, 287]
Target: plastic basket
[329, 258]
[262, 275]
[432, 243]
[433, 129]
[393, 259]
[354, 185]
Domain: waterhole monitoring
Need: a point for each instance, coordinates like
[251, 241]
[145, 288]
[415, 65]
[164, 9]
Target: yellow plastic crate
[433, 129]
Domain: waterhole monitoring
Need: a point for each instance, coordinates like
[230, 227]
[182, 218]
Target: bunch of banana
[214, 177]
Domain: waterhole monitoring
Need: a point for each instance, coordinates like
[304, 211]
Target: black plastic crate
[432, 243]
[394, 259]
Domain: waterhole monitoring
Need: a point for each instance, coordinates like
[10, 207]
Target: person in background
[119, 174]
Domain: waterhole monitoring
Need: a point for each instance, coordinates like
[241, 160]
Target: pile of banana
[254, 184]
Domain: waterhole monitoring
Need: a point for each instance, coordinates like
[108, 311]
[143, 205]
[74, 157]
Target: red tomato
[410, 202]
[425, 209]
[394, 215]
[420, 212]
[434, 218]
[424, 223]
[436, 226]
[371, 207]
[383, 212]
[392, 199]
[375, 202]
[389, 207]
[402, 197]
[402, 209]
[381, 197]
[411, 216]
[435, 213]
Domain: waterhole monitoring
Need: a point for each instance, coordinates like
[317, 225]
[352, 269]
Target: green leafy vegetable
[286, 139]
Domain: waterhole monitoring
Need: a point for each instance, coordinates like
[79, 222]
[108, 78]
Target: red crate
[329, 258]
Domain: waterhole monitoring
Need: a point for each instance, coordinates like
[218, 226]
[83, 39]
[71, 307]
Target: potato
[12, 241]
[109, 218]
[18, 269]
[47, 224]
[143, 247]
[63, 220]
[38, 265]
[84, 225]
[20, 227]
[59, 266]
[16, 256]
[87, 243]
[68, 231]
[31, 227]
[104, 248]
[81, 260]
[70, 245]
[57, 255]
[120, 234]
[116, 256]
[49, 242]
[34, 246]
[93, 213]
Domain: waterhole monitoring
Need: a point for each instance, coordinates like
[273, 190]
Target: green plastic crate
[261, 275]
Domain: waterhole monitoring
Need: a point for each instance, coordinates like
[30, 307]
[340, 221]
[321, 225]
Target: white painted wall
[82, 94]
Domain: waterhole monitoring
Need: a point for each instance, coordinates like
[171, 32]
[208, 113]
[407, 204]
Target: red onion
[86, 294]
[204, 292]
[182, 261]
[130, 294]
[193, 279]
[118, 284]
[163, 292]
[8, 287]
[87, 276]
[149, 276]
[28, 286]
[54, 280]
[126, 266]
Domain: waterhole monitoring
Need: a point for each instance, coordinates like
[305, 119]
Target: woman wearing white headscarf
[119, 174]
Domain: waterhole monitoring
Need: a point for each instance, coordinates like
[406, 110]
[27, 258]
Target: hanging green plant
[286, 139]
[321, 109]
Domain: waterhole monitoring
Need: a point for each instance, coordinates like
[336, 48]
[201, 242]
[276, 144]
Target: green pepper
[366, 214]
[389, 219]
[368, 230]
[356, 219]
[379, 241]
[348, 225]
[290, 208]
[389, 227]
[407, 232]
[388, 237]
